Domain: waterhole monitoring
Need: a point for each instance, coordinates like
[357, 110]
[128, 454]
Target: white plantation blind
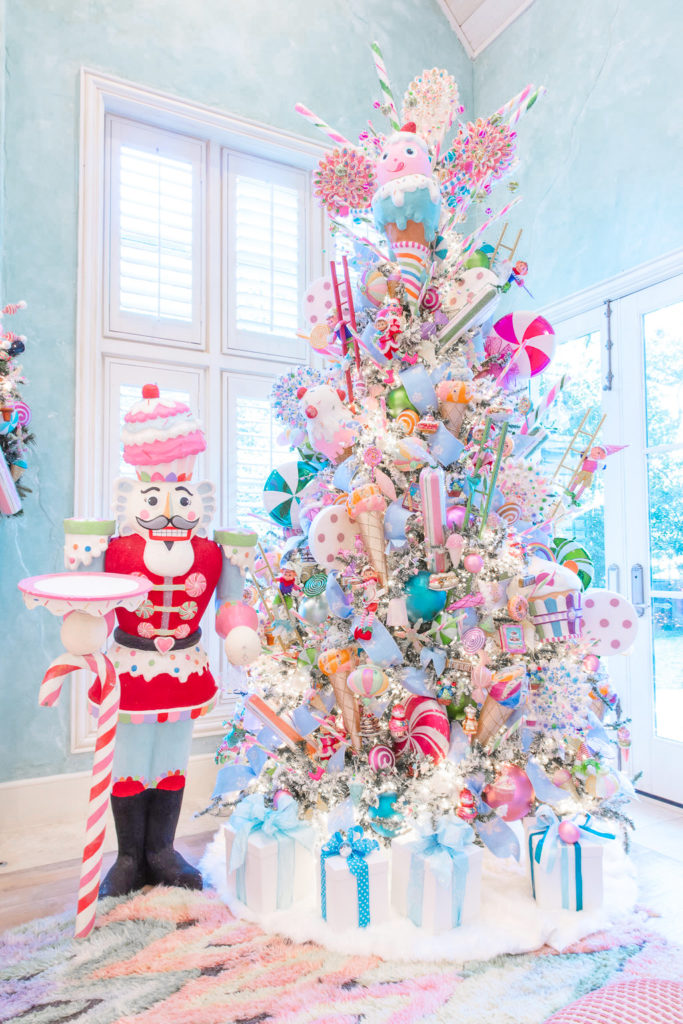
[155, 222]
[266, 255]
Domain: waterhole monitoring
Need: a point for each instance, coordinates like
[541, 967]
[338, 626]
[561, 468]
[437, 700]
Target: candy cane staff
[165, 677]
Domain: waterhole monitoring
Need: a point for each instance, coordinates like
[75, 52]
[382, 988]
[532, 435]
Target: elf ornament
[166, 682]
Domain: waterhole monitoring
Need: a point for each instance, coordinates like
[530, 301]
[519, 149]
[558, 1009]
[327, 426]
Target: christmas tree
[432, 644]
[15, 416]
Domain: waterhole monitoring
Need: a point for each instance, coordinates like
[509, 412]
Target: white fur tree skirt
[510, 920]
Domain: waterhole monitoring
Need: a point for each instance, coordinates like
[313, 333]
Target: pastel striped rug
[173, 957]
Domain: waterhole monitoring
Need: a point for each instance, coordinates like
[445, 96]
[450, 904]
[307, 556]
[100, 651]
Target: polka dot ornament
[610, 623]
[428, 731]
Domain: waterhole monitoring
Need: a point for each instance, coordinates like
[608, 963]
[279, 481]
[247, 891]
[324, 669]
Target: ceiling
[478, 22]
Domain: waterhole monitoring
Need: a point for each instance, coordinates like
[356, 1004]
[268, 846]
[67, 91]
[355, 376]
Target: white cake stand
[87, 600]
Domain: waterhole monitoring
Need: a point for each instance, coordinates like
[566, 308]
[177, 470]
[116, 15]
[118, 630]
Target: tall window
[198, 236]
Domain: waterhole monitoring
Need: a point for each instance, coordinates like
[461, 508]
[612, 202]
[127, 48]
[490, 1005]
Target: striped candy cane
[385, 87]
[13, 307]
[100, 786]
[322, 126]
[546, 402]
[512, 105]
[522, 109]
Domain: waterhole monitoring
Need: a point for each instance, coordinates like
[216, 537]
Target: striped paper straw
[471, 239]
[100, 785]
[322, 126]
[384, 85]
[511, 106]
[522, 109]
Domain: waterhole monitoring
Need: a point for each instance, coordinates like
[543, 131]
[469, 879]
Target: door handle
[638, 589]
[613, 578]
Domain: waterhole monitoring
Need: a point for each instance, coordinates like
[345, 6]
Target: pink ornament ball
[511, 793]
[591, 663]
[455, 517]
[561, 776]
[231, 615]
[428, 731]
[473, 562]
[568, 832]
[381, 758]
[278, 795]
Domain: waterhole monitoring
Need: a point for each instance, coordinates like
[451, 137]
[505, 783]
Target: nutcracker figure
[165, 678]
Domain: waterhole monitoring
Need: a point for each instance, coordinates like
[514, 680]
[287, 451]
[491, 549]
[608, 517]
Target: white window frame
[204, 363]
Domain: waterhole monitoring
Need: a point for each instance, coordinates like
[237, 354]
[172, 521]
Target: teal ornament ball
[421, 602]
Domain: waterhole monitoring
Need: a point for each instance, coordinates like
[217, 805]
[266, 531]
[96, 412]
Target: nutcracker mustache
[168, 530]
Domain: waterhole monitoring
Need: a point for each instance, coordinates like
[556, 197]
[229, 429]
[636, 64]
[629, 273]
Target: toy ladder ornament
[575, 453]
[510, 249]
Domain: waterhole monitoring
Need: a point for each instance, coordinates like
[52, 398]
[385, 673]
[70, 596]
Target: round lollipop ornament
[431, 103]
[344, 181]
[531, 339]
[282, 492]
[428, 729]
[381, 758]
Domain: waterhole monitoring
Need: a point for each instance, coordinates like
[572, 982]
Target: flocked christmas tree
[432, 644]
[15, 416]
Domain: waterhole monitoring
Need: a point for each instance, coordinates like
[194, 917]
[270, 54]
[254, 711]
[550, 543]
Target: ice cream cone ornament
[407, 205]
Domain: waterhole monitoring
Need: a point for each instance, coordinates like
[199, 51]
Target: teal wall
[602, 152]
[255, 59]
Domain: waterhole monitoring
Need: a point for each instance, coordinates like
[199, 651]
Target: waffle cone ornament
[492, 717]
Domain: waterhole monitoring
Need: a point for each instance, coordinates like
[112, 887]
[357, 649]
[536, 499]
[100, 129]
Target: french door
[632, 520]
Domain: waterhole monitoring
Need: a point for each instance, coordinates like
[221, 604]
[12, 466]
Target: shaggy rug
[172, 957]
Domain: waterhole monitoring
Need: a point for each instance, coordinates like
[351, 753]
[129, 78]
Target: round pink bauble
[511, 794]
[277, 796]
[242, 645]
[455, 516]
[591, 663]
[561, 776]
[229, 616]
[82, 633]
[473, 562]
[568, 831]
[428, 729]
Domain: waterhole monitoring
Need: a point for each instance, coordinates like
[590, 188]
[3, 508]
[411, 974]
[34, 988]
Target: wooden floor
[41, 891]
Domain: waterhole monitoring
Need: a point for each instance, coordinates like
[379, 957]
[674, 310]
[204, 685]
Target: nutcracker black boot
[128, 871]
[164, 865]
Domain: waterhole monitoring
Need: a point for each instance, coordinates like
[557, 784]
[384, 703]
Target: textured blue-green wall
[255, 59]
[602, 152]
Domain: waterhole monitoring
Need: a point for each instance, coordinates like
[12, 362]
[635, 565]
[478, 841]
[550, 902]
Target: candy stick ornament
[384, 85]
[513, 104]
[322, 126]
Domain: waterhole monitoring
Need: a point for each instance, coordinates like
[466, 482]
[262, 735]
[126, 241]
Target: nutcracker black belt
[143, 643]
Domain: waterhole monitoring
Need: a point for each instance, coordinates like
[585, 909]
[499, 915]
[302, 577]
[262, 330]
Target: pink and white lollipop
[429, 730]
[532, 340]
[381, 758]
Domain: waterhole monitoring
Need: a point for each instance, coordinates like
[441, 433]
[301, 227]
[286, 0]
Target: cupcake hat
[161, 438]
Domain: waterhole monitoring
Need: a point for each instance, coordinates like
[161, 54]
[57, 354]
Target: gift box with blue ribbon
[565, 875]
[436, 876]
[354, 881]
[268, 854]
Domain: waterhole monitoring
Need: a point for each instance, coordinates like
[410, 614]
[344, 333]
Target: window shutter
[155, 233]
[266, 256]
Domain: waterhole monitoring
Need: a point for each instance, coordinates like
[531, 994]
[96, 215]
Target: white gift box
[575, 880]
[342, 890]
[260, 883]
[437, 899]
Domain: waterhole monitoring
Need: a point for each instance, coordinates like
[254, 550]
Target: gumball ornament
[511, 794]
[569, 832]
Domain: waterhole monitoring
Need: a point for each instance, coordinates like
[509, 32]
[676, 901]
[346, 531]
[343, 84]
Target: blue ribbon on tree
[354, 848]
[283, 825]
[550, 844]
[446, 853]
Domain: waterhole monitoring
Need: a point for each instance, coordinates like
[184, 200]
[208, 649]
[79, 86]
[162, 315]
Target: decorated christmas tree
[432, 644]
[15, 416]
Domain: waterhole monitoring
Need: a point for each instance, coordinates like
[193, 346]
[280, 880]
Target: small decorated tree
[15, 417]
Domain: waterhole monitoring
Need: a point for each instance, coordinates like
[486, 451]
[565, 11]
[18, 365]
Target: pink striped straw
[100, 785]
[471, 239]
[322, 126]
[511, 106]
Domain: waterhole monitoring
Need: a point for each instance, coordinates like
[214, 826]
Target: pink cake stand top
[96, 593]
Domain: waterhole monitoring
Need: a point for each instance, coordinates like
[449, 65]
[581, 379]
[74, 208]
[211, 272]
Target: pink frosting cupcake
[161, 438]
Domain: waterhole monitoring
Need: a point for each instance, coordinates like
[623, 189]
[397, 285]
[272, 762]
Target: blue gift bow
[357, 865]
[446, 852]
[436, 657]
[281, 824]
[550, 842]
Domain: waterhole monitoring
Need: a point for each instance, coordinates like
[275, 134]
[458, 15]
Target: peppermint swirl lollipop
[23, 413]
[381, 758]
[473, 640]
[315, 584]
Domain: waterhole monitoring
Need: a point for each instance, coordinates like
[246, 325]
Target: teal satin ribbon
[282, 825]
[550, 844]
[446, 853]
[354, 848]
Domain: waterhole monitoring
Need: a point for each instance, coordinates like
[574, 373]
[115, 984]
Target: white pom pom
[82, 633]
[242, 645]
